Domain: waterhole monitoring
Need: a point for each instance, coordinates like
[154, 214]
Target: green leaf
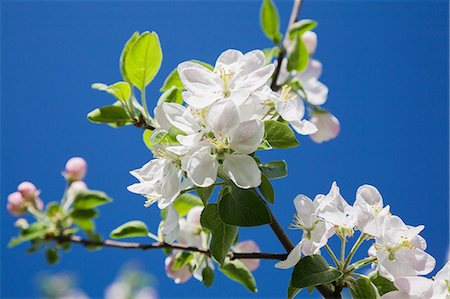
[300, 27]
[264, 146]
[86, 225]
[185, 202]
[270, 22]
[363, 288]
[243, 208]
[124, 54]
[292, 291]
[279, 135]
[208, 276]
[173, 80]
[299, 57]
[313, 270]
[383, 284]
[84, 214]
[237, 271]
[130, 229]
[275, 169]
[146, 137]
[171, 95]
[52, 256]
[182, 259]
[271, 53]
[120, 90]
[88, 199]
[266, 189]
[143, 60]
[205, 193]
[53, 208]
[36, 230]
[116, 116]
[223, 235]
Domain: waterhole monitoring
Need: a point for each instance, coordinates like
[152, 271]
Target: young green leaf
[300, 27]
[383, 285]
[279, 135]
[313, 270]
[36, 230]
[173, 80]
[185, 202]
[143, 60]
[270, 22]
[363, 288]
[243, 208]
[130, 229]
[120, 90]
[237, 271]
[53, 208]
[115, 116]
[84, 214]
[182, 259]
[52, 256]
[266, 189]
[171, 95]
[88, 199]
[86, 225]
[274, 169]
[299, 57]
[223, 235]
[205, 193]
[208, 276]
[124, 54]
[146, 137]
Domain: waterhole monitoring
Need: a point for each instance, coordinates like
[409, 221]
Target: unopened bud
[28, 190]
[21, 223]
[76, 169]
[16, 204]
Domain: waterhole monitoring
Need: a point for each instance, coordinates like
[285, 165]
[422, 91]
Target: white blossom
[328, 126]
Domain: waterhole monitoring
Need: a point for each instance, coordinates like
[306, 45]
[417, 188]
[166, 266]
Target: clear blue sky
[386, 65]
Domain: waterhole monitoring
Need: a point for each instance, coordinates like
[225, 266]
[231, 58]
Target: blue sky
[386, 64]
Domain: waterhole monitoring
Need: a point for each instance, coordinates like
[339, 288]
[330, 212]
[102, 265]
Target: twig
[294, 16]
[160, 245]
[140, 123]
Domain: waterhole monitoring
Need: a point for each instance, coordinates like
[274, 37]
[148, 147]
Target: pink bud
[328, 126]
[76, 169]
[193, 216]
[16, 204]
[78, 186]
[180, 275]
[38, 204]
[248, 246]
[28, 190]
[310, 40]
[21, 223]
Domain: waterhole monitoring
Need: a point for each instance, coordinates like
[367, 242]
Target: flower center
[226, 77]
[286, 92]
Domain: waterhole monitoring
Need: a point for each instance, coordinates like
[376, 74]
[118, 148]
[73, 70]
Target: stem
[196, 188]
[333, 256]
[343, 243]
[355, 247]
[160, 245]
[361, 263]
[293, 18]
[144, 104]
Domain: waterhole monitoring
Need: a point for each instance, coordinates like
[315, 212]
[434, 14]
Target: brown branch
[160, 245]
[140, 123]
[294, 16]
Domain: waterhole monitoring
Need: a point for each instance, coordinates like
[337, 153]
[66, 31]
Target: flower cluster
[397, 252]
[215, 135]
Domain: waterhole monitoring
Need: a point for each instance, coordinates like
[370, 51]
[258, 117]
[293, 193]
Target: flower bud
[248, 246]
[76, 169]
[78, 186]
[38, 204]
[310, 40]
[180, 275]
[21, 223]
[193, 216]
[28, 190]
[328, 126]
[16, 204]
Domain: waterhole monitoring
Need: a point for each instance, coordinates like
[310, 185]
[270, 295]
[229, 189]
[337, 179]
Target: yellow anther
[286, 92]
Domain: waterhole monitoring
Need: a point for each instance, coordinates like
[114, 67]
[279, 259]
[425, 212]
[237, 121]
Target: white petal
[310, 40]
[170, 226]
[223, 116]
[197, 78]
[292, 259]
[291, 109]
[227, 58]
[316, 92]
[304, 127]
[202, 167]
[370, 195]
[247, 137]
[328, 127]
[414, 286]
[200, 100]
[305, 209]
[256, 79]
[242, 170]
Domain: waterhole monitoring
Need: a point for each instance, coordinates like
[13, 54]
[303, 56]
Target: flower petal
[202, 167]
[223, 116]
[247, 137]
[242, 170]
[292, 259]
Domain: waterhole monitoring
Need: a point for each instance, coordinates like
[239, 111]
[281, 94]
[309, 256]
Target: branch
[294, 16]
[160, 245]
[140, 123]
